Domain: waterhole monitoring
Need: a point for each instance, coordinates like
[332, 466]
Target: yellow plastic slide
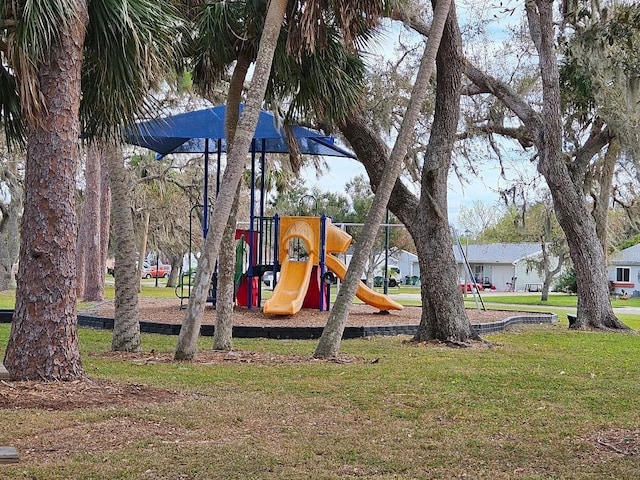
[288, 296]
[364, 293]
[290, 291]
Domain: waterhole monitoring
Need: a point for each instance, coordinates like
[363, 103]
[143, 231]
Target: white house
[503, 265]
[408, 264]
[624, 270]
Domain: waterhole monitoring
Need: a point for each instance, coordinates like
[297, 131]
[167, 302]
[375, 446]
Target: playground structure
[305, 253]
[203, 131]
[302, 250]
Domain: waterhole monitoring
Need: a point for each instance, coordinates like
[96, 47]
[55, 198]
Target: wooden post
[9, 455]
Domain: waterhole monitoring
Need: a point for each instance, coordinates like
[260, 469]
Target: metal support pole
[205, 199]
[386, 256]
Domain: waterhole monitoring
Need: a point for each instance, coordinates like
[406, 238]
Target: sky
[483, 188]
[499, 18]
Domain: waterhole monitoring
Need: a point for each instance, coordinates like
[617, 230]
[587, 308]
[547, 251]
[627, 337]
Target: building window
[622, 274]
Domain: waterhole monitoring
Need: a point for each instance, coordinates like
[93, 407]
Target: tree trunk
[594, 308]
[546, 285]
[10, 230]
[88, 255]
[222, 337]
[105, 217]
[176, 268]
[186, 347]
[329, 343]
[574, 217]
[142, 248]
[126, 328]
[43, 343]
[602, 198]
[81, 247]
[443, 308]
[444, 317]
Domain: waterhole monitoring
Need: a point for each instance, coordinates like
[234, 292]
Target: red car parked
[471, 286]
[156, 271]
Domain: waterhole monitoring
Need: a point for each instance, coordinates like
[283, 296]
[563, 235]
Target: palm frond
[129, 48]
[327, 83]
[310, 20]
[221, 30]
[10, 109]
[38, 28]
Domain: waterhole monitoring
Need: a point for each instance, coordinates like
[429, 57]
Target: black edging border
[302, 333]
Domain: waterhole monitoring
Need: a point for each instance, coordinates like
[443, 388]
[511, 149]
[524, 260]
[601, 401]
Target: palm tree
[144, 31]
[353, 18]
[329, 343]
[227, 31]
[49, 42]
[43, 340]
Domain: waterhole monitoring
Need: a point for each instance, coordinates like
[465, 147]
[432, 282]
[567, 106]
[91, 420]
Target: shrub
[567, 282]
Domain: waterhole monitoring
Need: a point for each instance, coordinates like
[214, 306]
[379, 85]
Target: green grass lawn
[530, 407]
[555, 300]
[8, 297]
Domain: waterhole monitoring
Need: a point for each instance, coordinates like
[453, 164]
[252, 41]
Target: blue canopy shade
[188, 132]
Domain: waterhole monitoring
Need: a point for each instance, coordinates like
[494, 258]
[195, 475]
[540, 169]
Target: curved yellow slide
[288, 296]
[364, 293]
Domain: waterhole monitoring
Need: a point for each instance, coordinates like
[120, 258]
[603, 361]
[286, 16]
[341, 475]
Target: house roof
[628, 256]
[401, 255]
[496, 252]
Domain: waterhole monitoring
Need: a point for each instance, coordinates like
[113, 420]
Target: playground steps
[9, 455]
[4, 375]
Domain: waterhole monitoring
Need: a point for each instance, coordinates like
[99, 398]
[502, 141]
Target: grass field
[541, 403]
[533, 406]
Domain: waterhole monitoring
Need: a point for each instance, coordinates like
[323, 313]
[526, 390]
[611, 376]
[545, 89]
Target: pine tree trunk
[81, 253]
[186, 348]
[43, 343]
[329, 343]
[88, 258]
[95, 265]
[126, 328]
[105, 217]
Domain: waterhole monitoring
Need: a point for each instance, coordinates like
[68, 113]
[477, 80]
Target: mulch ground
[168, 311]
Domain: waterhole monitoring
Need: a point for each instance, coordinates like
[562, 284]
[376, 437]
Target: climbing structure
[305, 251]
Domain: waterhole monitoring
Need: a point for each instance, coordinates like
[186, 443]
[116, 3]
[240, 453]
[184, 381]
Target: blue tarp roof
[187, 132]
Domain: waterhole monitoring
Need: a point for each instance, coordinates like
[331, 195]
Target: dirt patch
[78, 394]
[94, 437]
[618, 441]
[92, 393]
[219, 357]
